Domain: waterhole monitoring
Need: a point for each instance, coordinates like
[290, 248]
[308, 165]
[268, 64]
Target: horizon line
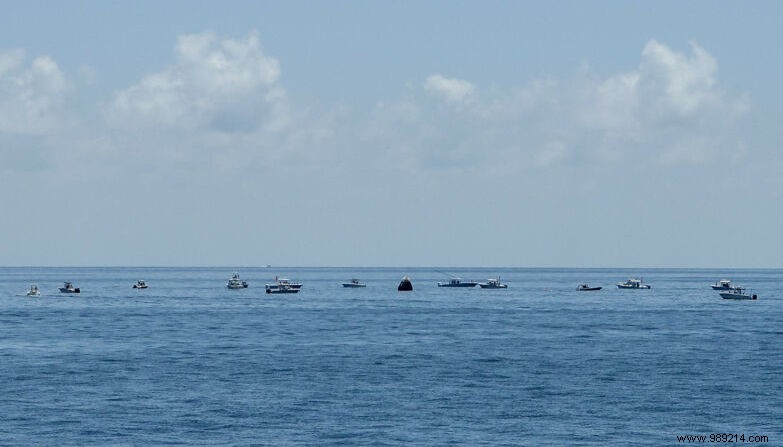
[269, 266]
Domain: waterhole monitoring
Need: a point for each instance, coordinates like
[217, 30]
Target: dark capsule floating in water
[405, 285]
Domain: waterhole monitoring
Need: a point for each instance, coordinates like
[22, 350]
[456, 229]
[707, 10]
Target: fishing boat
[236, 283]
[405, 284]
[140, 284]
[493, 283]
[586, 288]
[723, 284]
[34, 290]
[69, 288]
[354, 283]
[633, 283]
[282, 283]
[457, 282]
[737, 293]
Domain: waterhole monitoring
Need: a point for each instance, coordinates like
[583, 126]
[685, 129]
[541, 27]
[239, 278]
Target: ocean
[189, 362]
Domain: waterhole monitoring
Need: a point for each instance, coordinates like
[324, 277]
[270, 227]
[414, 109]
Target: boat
[236, 283]
[723, 284]
[69, 288]
[586, 288]
[405, 284]
[354, 283]
[287, 282]
[737, 293]
[140, 284]
[457, 282]
[493, 283]
[34, 290]
[633, 283]
[284, 284]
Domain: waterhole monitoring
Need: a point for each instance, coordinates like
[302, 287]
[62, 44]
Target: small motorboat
[633, 284]
[140, 284]
[236, 283]
[405, 285]
[723, 284]
[457, 282]
[34, 290]
[354, 283]
[586, 288]
[493, 283]
[69, 288]
[737, 293]
[284, 285]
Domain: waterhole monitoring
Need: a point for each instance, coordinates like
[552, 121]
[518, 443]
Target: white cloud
[453, 90]
[667, 110]
[31, 97]
[683, 84]
[215, 84]
[670, 108]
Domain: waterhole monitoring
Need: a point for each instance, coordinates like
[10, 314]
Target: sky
[391, 133]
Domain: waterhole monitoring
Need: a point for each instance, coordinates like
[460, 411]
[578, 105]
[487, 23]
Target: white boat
[457, 282]
[69, 288]
[34, 290]
[633, 283]
[493, 283]
[737, 293]
[140, 284]
[236, 283]
[723, 284]
[282, 285]
[354, 283]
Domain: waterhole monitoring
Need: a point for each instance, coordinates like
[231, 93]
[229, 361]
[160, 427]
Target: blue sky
[586, 134]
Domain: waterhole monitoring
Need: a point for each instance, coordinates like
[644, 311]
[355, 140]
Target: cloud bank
[223, 98]
[668, 110]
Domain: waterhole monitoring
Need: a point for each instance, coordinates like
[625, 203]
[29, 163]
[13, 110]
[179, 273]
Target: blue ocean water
[189, 362]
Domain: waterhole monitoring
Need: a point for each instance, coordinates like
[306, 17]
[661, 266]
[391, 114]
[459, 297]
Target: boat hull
[737, 296]
[493, 286]
[351, 285]
[621, 286]
[64, 290]
[588, 289]
[281, 290]
[461, 284]
[277, 286]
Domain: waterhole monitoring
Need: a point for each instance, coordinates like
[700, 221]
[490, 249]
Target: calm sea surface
[189, 362]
